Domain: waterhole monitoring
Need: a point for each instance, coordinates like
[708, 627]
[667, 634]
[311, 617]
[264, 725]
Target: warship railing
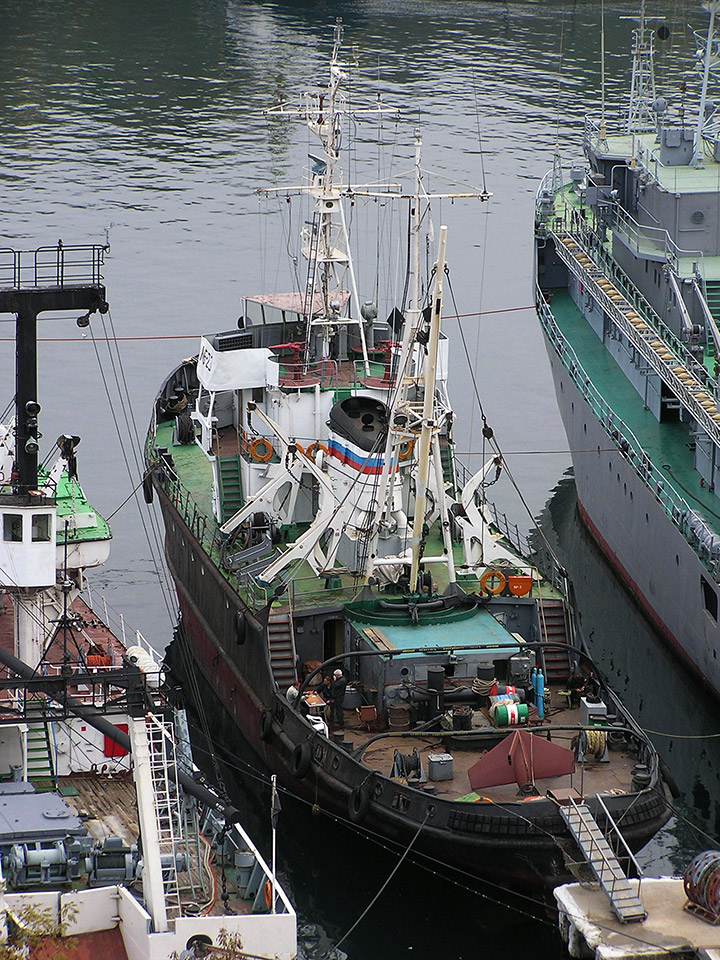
[666, 367]
[690, 523]
[52, 266]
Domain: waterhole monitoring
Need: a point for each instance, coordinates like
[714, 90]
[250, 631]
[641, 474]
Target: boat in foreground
[628, 295]
[111, 843]
[319, 524]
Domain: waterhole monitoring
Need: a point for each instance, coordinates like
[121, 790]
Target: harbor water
[141, 124]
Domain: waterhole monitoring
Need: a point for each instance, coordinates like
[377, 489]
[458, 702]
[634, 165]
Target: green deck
[305, 588]
[667, 444]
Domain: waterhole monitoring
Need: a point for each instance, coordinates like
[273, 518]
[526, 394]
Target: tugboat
[111, 842]
[628, 295]
[327, 545]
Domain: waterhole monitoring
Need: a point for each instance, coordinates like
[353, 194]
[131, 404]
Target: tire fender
[359, 803]
[266, 725]
[300, 760]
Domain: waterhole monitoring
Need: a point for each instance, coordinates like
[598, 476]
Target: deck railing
[52, 266]
[690, 523]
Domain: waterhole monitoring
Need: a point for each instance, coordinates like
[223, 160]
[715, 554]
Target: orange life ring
[497, 586]
[268, 894]
[298, 447]
[312, 449]
[266, 452]
[405, 450]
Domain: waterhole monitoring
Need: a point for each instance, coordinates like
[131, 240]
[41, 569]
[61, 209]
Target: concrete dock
[591, 929]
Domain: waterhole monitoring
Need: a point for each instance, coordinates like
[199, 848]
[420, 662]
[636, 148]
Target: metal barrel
[702, 881]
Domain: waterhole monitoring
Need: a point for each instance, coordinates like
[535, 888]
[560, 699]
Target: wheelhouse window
[40, 527]
[12, 527]
[710, 598]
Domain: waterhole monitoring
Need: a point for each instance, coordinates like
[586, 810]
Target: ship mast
[325, 240]
[709, 65]
[642, 92]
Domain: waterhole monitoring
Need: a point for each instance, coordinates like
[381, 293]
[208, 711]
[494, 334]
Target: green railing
[690, 523]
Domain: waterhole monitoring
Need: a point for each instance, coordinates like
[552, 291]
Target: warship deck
[669, 445]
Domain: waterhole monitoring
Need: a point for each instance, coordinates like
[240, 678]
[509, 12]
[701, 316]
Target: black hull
[239, 696]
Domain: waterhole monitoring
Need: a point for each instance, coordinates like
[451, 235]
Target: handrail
[60, 265]
[595, 847]
[675, 506]
[616, 830]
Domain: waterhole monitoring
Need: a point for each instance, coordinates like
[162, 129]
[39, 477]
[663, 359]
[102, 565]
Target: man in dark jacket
[339, 683]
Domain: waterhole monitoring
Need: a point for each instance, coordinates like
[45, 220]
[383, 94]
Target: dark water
[142, 122]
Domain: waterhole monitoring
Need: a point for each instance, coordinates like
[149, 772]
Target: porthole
[618, 478]
[562, 387]
[697, 217]
[631, 496]
[677, 560]
[572, 406]
[585, 431]
[610, 465]
[625, 489]
[647, 519]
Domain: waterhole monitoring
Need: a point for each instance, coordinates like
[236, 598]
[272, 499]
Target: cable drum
[702, 882]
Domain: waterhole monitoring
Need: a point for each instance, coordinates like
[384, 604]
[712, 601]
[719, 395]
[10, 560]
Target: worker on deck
[339, 683]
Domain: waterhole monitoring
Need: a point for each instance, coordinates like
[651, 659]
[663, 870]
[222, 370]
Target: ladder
[626, 904]
[167, 803]
[230, 486]
[39, 757]
[281, 644]
[553, 629]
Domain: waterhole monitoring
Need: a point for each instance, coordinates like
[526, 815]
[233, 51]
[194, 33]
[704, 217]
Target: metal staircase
[281, 642]
[553, 629]
[626, 904]
[168, 810]
[39, 759]
[230, 485]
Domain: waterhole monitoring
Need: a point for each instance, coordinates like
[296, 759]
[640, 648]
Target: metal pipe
[100, 723]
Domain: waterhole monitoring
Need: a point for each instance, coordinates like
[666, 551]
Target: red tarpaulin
[521, 758]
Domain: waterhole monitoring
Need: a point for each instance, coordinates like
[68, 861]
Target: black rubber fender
[300, 760]
[359, 803]
[147, 487]
[669, 780]
[266, 725]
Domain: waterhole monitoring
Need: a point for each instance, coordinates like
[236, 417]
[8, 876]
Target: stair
[712, 297]
[40, 769]
[448, 466]
[626, 905]
[553, 629]
[230, 485]
[281, 643]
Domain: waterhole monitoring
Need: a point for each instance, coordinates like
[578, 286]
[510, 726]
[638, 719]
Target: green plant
[36, 932]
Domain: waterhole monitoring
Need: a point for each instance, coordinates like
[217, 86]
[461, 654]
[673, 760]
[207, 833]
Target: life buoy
[298, 447]
[312, 449]
[405, 450]
[266, 725]
[492, 582]
[267, 893]
[300, 760]
[359, 803]
[261, 449]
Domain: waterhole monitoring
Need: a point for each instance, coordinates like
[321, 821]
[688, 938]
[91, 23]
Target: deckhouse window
[40, 527]
[12, 527]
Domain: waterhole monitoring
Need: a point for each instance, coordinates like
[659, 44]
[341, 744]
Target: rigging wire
[136, 447]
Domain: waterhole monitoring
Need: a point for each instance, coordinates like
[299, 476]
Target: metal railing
[52, 266]
[627, 444]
